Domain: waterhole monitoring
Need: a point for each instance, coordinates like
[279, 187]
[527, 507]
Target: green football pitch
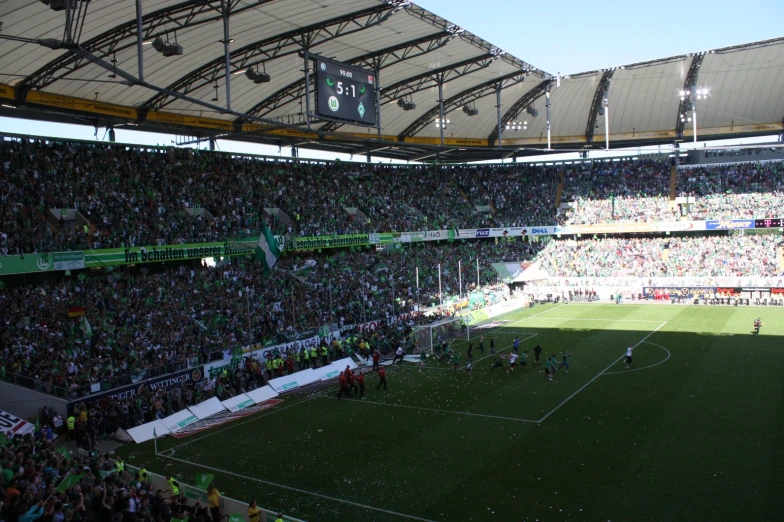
[694, 430]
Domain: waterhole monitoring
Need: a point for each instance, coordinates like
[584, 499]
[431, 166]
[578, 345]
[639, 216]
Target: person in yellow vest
[269, 368]
[305, 358]
[324, 356]
[253, 512]
[297, 360]
[119, 465]
[71, 423]
[279, 518]
[174, 487]
[313, 355]
[214, 496]
[144, 475]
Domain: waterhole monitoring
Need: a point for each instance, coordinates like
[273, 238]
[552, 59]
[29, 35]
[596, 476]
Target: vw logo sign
[43, 263]
[323, 66]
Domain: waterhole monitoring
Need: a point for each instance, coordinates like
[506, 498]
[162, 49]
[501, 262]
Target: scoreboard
[345, 93]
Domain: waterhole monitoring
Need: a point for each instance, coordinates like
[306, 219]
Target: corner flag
[267, 251]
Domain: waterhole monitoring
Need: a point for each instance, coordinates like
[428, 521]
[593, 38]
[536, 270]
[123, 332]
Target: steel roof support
[162, 22]
[441, 122]
[520, 105]
[139, 40]
[690, 85]
[467, 96]
[225, 8]
[450, 72]
[401, 52]
[498, 111]
[276, 46]
[598, 100]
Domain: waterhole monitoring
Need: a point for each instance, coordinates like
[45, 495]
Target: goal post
[427, 338]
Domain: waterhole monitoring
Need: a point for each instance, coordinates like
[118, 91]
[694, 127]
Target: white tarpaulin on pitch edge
[12, 426]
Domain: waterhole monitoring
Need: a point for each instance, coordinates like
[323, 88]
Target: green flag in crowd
[267, 250]
[236, 518]
[203, 480]
[68, 481]
[64, 452]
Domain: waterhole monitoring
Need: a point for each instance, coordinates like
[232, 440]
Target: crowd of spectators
[135, 197]
[156, 197]
[639, 190]
[691, 256]
[39, 483]
[141, 322]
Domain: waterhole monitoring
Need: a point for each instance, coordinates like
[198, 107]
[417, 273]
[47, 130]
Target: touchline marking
[611, 320]
[441, 411]
[298, 490]
[600, 373]
[644, 367]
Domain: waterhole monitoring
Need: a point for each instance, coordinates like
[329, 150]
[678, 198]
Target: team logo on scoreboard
[361, 110]
[334, 104]
[330, 82]
[323, 66]
[370, 79]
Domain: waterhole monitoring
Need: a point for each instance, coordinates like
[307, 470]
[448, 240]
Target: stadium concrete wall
[25, 403]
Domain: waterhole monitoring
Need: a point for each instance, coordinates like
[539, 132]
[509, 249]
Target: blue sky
[571, 36]
[565, 36]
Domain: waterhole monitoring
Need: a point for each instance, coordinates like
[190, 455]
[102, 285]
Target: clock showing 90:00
[345, 93]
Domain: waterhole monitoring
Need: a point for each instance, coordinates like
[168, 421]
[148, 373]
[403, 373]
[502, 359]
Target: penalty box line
[601, 372]
[299, 490]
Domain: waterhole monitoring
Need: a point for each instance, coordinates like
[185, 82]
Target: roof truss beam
[296, 90]
[276, 46]
[162, 22]
[474, 40]
[598, 99]
[467, 96]
[688, 85]
[520, 105]
[441, 75]
[425, 80]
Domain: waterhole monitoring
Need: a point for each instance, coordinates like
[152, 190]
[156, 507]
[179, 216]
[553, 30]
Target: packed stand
[136, 323]
[734, 191]
[638, 191]
[47, 484]
[617, 191]
[518, 195]
[135, 197]
[714, 256]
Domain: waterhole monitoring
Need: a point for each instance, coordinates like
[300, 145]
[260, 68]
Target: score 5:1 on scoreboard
[345, 93]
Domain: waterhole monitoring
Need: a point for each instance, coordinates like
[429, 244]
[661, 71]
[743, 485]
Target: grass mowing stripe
[600, 373]
[298, 490]
[442, 411]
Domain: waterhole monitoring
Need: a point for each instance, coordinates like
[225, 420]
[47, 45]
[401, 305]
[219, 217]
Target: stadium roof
[81, 65]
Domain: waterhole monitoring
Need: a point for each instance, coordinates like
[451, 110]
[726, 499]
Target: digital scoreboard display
[345, 93]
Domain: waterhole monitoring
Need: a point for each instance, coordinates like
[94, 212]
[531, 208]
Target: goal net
[428, 337]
